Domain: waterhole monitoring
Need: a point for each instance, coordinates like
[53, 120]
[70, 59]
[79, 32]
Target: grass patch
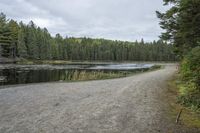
[99, 75]
[190, 117]
[94, 75]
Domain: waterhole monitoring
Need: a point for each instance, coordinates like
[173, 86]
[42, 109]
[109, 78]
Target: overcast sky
[110, 19]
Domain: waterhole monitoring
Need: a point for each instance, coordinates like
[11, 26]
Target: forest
[28, 41]
[182, 29]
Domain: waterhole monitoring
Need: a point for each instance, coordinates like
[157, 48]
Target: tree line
[32, 42]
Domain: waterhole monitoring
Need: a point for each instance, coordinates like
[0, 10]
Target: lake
[11, 74]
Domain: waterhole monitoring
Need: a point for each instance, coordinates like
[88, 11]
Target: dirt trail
[126, 105]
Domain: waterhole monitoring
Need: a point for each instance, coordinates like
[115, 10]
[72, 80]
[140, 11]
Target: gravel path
[126, 105]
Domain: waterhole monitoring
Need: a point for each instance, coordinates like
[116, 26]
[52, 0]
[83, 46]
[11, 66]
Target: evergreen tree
[32, 42]
[21, 46]
[5, 36]
[13, 26]
[181, 23]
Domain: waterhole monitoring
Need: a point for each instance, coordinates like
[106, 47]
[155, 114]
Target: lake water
[20, 74]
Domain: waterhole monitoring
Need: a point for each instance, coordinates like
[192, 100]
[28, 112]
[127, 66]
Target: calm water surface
[20, 74]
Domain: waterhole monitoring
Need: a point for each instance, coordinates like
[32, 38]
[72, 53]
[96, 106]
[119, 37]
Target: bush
[190, 67]
[190, 74]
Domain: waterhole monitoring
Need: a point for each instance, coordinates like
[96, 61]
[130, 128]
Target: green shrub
[190, 67]
[190, 74]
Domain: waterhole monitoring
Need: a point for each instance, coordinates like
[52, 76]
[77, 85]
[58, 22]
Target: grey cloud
[111, 19]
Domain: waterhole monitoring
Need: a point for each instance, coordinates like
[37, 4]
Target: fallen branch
[178, 116]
